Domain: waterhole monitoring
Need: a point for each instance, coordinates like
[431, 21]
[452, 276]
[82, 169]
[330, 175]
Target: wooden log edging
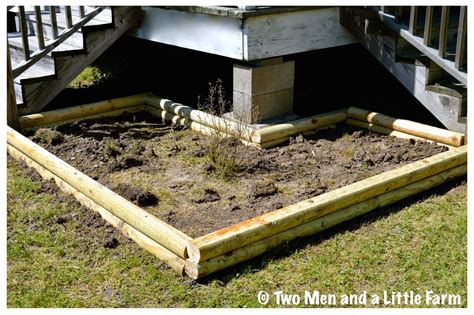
[112, 113]
[159, 231]
[264, 137]
[69, 114]
[238, 129]
[205, 130]
[252, 230]
[202, 269]
[390, 132]
[285, 130]
[382, 130]
[176, 263]
[407, 126]
[247, 239]
[179, 120]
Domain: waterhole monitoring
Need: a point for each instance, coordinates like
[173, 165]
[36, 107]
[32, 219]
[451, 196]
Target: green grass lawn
[57, 258]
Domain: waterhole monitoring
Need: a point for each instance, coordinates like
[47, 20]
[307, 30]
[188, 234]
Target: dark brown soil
[136, 195]
[167, 170]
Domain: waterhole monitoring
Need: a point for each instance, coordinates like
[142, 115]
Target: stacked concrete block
[263, 90]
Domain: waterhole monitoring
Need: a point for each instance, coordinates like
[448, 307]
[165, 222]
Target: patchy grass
[91, 75]
[419, 245]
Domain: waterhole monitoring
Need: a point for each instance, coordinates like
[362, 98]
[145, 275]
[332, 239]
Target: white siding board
[294, 32]
[203, 32]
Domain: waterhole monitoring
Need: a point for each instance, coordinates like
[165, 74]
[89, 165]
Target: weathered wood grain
[288, 33]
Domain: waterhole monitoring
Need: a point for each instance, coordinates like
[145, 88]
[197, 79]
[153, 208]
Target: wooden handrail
[443, 31]
[39, 27]
[428, 26]
[55, 42]
[413, 19]
[54, 22]
[461, 40]
[24, 32]
[407, 29]
[68, 16]
[82, 11]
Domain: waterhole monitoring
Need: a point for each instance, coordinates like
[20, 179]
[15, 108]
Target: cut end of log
[461, 139]
[192, 270]
[194, 254]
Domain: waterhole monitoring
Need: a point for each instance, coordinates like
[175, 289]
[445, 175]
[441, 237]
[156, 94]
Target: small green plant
[348, 152]
[346, 136]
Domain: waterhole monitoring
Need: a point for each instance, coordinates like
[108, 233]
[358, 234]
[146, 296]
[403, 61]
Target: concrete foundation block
[253, 108]
[263, 90]
[256, 80]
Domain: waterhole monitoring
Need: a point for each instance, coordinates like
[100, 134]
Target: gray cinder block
[263, 91]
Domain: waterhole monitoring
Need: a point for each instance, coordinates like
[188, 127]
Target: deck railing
[438, 32]
[56, 38]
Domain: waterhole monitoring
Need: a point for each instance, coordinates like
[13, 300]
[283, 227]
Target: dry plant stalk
[223, 148]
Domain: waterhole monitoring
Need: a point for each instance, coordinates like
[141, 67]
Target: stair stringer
[68, 66]
[414, 77]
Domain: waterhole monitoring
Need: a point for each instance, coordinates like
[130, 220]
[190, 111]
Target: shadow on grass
[288, 248]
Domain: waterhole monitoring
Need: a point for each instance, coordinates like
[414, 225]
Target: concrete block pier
[263, 90]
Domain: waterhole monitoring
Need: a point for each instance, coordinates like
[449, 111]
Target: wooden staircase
[38, 74]
[424, 49]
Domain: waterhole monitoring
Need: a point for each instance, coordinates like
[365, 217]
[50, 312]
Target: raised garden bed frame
[217, 250]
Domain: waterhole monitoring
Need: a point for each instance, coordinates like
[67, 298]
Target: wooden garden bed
[204, 254]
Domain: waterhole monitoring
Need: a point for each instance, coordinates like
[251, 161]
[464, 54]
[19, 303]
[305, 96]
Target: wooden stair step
[452, 89]
[97, 39]
[41, 70]
[76, 38]
[414, 76]
[15, 42]
[105, 15]
[449, 87]
[35, 74]
[18, 94]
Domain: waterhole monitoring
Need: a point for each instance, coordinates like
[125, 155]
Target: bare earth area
[167, 170]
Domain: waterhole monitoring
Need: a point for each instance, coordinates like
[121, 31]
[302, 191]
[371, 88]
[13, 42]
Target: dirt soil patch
[166, 170]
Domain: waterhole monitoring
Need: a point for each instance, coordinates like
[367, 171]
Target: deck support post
[263, 89]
